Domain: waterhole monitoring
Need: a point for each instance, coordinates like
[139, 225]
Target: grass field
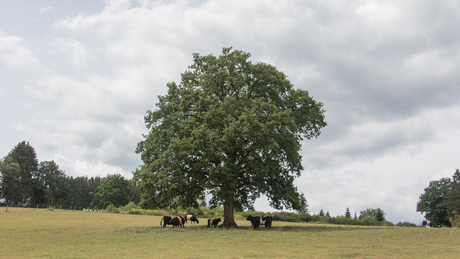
[76, 234]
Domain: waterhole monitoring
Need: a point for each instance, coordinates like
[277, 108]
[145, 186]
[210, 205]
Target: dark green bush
[406, 224]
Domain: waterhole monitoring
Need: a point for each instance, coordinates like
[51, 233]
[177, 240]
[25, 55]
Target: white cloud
[84, 168]
[45, 9]
[15, 55]
[74, 49]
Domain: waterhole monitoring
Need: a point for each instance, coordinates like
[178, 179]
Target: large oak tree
[231, 129]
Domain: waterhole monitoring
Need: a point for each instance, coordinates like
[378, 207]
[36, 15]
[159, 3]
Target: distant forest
[26, 182]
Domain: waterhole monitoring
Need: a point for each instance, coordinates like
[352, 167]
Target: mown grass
[32, 233]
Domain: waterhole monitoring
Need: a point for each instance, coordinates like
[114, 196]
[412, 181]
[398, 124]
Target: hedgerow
[208, 212]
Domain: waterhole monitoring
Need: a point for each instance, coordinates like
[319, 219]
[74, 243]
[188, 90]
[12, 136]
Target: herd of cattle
[180, 221]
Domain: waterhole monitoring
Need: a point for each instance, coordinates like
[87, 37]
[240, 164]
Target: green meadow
[29, 233]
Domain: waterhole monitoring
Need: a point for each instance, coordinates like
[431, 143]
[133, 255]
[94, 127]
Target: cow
[165, 220]
[192, 218]
[214, 222]
[268, 221]
[427, 223]
[176, 222]
[258, 220]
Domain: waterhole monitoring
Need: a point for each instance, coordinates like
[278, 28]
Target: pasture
[32, 233]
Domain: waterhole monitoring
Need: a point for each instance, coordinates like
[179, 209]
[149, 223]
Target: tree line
[26, 182]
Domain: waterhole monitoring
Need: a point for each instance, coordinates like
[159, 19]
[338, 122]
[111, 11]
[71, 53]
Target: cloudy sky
[77, 77]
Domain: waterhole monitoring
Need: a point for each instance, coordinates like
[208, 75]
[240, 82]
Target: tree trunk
[229, 219]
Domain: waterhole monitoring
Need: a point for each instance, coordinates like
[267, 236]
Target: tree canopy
[231, 129]
[10, 179]
[54, 182]
[377, 214]
[433, 202]
[18, 169]
[348, 213]
[453, 195]
[113, 190]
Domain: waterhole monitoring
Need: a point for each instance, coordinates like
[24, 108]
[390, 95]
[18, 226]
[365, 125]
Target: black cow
[427, 223]
[256, 221]
[213, 222]
[165, 220]
[176, 222]
[268, 221]
[192, 218]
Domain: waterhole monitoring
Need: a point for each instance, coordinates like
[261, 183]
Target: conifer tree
[347, 213]
[24, 155]
[321, 213]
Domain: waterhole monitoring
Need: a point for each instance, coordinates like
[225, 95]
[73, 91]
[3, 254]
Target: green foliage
[455, 221]
[135, 188]
[80, 191]
[231, 129]
[380, 215]
[347, 213]
[24, 182]
[321, 213]
[10, 179]
[23, 154]
[112, 208]
[342, 220]
[303, 204]
[113, 190]
[55, 182]
[453, 195]
[377, 214]
[368, 221]
[441, 201]
[433, 202]
[406, 224]
[130, 208]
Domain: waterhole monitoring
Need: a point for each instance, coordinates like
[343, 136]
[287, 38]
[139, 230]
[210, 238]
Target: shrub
[455, 221]
[406, 224]
[111, 208]
[135, 211]
[130, 206]
[307, 217]
[342, 220]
